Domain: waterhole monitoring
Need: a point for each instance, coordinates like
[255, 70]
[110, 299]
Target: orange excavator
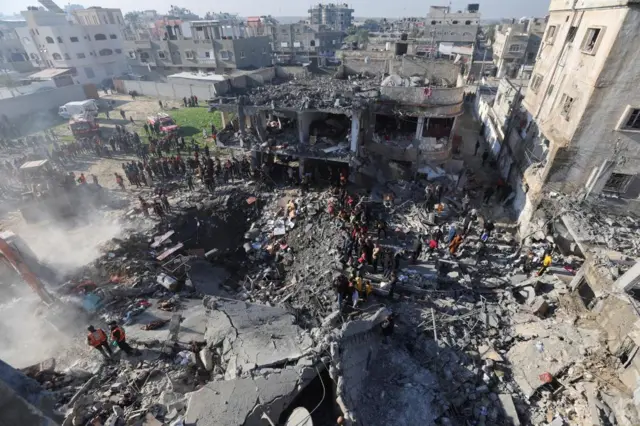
[17, 256]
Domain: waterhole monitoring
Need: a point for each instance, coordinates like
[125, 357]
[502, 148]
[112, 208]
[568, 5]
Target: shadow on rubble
[438, 374]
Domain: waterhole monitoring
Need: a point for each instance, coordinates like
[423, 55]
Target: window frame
[594, 50]
[537, 78]
[563, 100]
[550, 35]
[71, 39]
[518, 50]
[626, 116]
[623, 188]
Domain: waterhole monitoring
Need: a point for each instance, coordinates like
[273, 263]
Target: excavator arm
[15, 260]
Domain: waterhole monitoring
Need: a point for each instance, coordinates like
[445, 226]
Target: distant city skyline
[489, 9]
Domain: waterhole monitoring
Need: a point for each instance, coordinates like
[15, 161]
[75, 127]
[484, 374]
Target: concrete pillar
[301, 168]
[241, 119]
[224, 117]
[419, 127]
[355, 131]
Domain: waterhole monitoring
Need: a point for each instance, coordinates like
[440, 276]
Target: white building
[458, 28]
[516, 45]
[94, 52]
[585, 99]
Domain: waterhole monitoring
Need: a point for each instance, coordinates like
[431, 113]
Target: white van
[88, 107]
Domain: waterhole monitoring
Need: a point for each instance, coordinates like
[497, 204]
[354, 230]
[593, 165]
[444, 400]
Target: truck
[88, 107]
[84, 126]
[167, 124]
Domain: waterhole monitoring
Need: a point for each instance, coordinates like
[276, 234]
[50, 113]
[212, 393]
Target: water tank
[473, 7]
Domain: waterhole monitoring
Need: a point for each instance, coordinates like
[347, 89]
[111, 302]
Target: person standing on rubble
[485, 156]
[393, 281]
[118, 335]
[189, 179]
[375, 256]
[417, 249]
[546, 262]
[97, 339]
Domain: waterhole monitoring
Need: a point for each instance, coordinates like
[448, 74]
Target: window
[188, 54]
[590, 42]
[535, 83]
[224, 55]
[99, 37]
[631, 120]
[565, 104]
[59, 39]
[132, 54]
[33, 56]
[74, 39]
[242, 54]
[550, 90]
[284, 44]
[571, 34]
[618, 182]
[454, 22]
[89, 72]
[80, 55]
[312, 43]
[551, 34]
[56, 57]
[514, 48]
[49, 40]
[113, 36]
[433, 22]
[67, 57]
[161, 55]
[105, 52]
[144, 56]
[467, 22]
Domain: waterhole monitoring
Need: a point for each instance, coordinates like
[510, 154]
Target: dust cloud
[27, 337]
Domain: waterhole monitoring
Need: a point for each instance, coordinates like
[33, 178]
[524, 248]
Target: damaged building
[382, 119]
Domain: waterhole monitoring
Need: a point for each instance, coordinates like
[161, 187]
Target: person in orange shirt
[455, 243]
[98, 340]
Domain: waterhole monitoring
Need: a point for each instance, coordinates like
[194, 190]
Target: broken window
[514, 48]
[626, 351]
[571, 34]
[551, 33]
[586, 294]
[437, 127]
[535, 83]
[633, 120]
[550, 90]
[565, 104]
[590, 41]
[618, 182]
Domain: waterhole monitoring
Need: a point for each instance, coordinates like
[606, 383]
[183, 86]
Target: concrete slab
[255, 336]
[511, 415]
[243, 401]
[192, 327]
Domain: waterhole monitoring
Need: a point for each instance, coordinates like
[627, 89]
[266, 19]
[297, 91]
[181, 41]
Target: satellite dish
[299, 417]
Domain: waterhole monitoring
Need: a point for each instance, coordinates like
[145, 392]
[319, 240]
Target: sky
[489, 9]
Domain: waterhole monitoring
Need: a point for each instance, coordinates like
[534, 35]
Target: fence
[202, 89]
[27, 106]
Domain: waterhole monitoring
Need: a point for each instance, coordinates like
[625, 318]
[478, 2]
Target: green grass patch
[193, 120]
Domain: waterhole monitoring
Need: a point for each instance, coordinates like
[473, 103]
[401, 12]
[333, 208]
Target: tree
[361, 37]
[133, 18]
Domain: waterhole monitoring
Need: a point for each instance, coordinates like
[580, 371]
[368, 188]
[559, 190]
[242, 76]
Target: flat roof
[33, 164]
[49, 73]
[198, 76]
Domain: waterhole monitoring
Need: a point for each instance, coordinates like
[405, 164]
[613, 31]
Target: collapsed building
[384, 121]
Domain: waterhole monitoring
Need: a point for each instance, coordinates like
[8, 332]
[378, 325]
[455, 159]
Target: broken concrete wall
[305, 118]
[422, 96]
[443, 70]
[22, 399]
[630, 279]
[261, 76]
[358, 346]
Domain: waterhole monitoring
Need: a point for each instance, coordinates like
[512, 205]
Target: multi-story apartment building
[459, 28]
[292, 42]
[93, 52]
[99, 16]
[517, 44]
[208, 45]
[338, 17]
[585, 99]
[13, 57]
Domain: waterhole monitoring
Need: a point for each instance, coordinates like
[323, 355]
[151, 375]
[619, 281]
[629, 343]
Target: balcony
[412, 150]
[207, 61]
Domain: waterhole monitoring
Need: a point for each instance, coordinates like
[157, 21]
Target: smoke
[30, 332]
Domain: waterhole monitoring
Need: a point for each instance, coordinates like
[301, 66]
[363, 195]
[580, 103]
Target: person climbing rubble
[118, 335]
[97, 339]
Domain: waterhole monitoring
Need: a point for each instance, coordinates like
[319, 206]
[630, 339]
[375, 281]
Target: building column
[355, 131]
[419, 128]
[224, 118]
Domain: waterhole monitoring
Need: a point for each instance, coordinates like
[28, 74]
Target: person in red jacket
[98, 340]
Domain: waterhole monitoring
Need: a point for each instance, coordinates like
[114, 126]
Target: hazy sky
[374, 8]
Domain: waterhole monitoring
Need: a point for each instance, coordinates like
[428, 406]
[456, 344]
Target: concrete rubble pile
[233, 307]
[317, 92]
